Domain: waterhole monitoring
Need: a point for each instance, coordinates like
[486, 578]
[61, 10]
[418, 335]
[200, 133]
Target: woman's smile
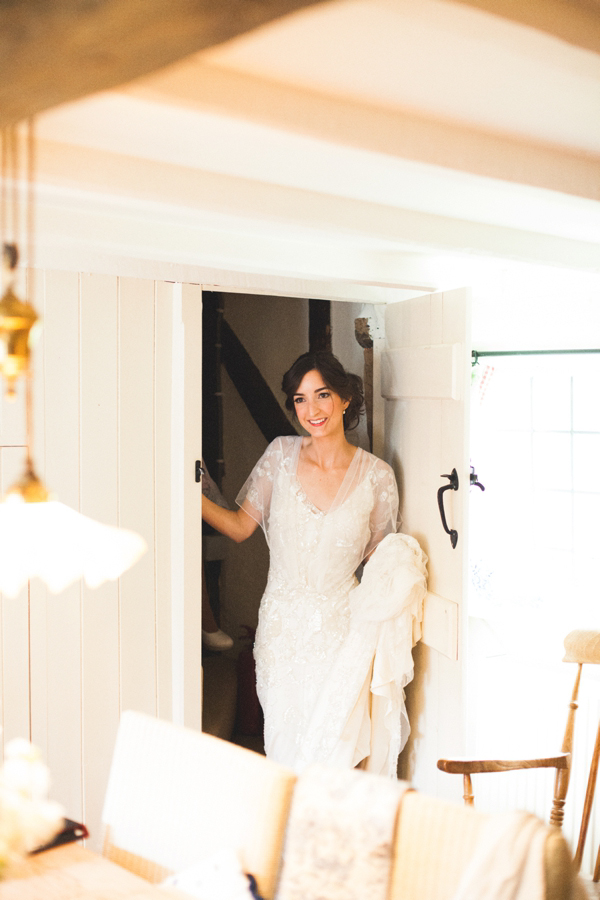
[319, 409]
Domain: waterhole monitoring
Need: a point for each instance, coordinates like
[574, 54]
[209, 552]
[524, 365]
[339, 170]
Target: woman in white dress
[324, 506]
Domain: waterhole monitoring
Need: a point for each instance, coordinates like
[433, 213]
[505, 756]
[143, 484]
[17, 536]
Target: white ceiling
[440, 59]
[390, 144]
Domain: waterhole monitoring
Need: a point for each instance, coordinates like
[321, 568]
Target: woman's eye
[298, 399]
[324, 395]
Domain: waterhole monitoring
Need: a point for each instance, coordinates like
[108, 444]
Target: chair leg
[587, 807]
[561, 785]
[468, 796]
[597, 869]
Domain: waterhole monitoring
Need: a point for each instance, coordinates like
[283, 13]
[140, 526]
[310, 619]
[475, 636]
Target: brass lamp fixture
[38, 535]
[17, 318]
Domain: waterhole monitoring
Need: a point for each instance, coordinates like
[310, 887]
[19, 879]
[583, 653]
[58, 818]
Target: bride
[324, 506]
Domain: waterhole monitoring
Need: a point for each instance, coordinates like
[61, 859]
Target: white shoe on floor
[217, 640]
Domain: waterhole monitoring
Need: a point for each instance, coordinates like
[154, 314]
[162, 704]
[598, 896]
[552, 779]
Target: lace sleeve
[384, 515]
[255, 495]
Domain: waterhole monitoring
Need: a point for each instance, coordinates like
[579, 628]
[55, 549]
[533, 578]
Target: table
[72, 872]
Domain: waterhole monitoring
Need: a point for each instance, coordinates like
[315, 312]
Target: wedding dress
[311, 661]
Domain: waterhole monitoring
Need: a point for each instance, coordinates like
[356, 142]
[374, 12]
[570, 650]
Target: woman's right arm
[235, 524]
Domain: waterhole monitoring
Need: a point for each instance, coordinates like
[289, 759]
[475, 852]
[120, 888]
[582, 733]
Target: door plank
[15, 631]
[136, 491]
[427, 436]
[192, 505]
[38, 607]
[440, 624]
[60, 297]
[162, 507]
[99, 500]
[420, 372]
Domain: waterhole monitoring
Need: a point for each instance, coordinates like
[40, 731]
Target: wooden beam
[252, 387]
[574, 21]
[319, 325]
[53, 51]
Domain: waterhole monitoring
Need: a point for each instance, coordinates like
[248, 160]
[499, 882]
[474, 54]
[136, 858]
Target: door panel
[421, 372]
[426, 370]
[191, 311]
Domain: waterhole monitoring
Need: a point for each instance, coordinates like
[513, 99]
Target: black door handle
[453, 486]
[474, 479]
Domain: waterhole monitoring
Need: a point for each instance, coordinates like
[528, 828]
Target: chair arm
[468, 766]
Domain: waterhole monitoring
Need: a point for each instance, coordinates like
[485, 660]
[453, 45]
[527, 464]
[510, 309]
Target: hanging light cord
[29, 421]
[14, 167]
[30, 161]
[3, 191]
[30, 209]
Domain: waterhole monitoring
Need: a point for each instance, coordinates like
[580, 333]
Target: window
[535, 560]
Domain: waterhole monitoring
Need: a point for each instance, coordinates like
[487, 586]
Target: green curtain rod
[476, 354]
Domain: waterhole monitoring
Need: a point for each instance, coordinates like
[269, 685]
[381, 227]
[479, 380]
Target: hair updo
[348, 386]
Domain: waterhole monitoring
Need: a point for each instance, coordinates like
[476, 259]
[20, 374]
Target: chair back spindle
[587, 807]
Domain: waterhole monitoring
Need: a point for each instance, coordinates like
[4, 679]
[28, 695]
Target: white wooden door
[186, 506]
[117, 430]
[425, 380]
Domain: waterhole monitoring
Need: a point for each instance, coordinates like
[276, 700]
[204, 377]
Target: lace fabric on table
[339, 844]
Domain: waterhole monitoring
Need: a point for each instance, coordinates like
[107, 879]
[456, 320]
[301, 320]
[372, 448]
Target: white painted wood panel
[422, 372]
[103, 444]
[12, 418]
[440, 624]
[15, 631]
[192, 450]
[61, 421]
[136, 492]
[38, 606]
[99, 499]
[426, 437]
[177, 537]
[162, 491]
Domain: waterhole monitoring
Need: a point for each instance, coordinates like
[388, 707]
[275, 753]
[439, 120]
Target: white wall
[103, 444]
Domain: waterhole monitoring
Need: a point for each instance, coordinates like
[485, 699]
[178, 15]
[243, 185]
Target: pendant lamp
[39, 536]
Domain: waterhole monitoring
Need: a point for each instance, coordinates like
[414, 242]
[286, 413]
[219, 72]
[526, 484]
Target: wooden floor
[219, 703]
[252, 742]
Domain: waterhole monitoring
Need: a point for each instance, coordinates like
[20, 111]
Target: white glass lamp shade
[53, 542]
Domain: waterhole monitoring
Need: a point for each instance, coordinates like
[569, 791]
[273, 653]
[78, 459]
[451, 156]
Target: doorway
[243, 410]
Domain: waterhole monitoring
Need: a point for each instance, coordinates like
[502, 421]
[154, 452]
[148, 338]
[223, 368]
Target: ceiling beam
[574, 21]
[53, 51]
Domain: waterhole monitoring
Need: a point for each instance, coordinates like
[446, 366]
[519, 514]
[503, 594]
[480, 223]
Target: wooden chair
[176, 796]
[436, 841]
[581, 647]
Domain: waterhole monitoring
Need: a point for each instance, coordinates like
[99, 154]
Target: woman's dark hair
[348, 386]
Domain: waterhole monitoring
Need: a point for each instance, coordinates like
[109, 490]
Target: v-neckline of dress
[340, 491]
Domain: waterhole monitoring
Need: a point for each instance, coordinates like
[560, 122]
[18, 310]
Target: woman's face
[320, 410]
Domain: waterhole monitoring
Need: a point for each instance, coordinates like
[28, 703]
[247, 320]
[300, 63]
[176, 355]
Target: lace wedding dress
[305, 638]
